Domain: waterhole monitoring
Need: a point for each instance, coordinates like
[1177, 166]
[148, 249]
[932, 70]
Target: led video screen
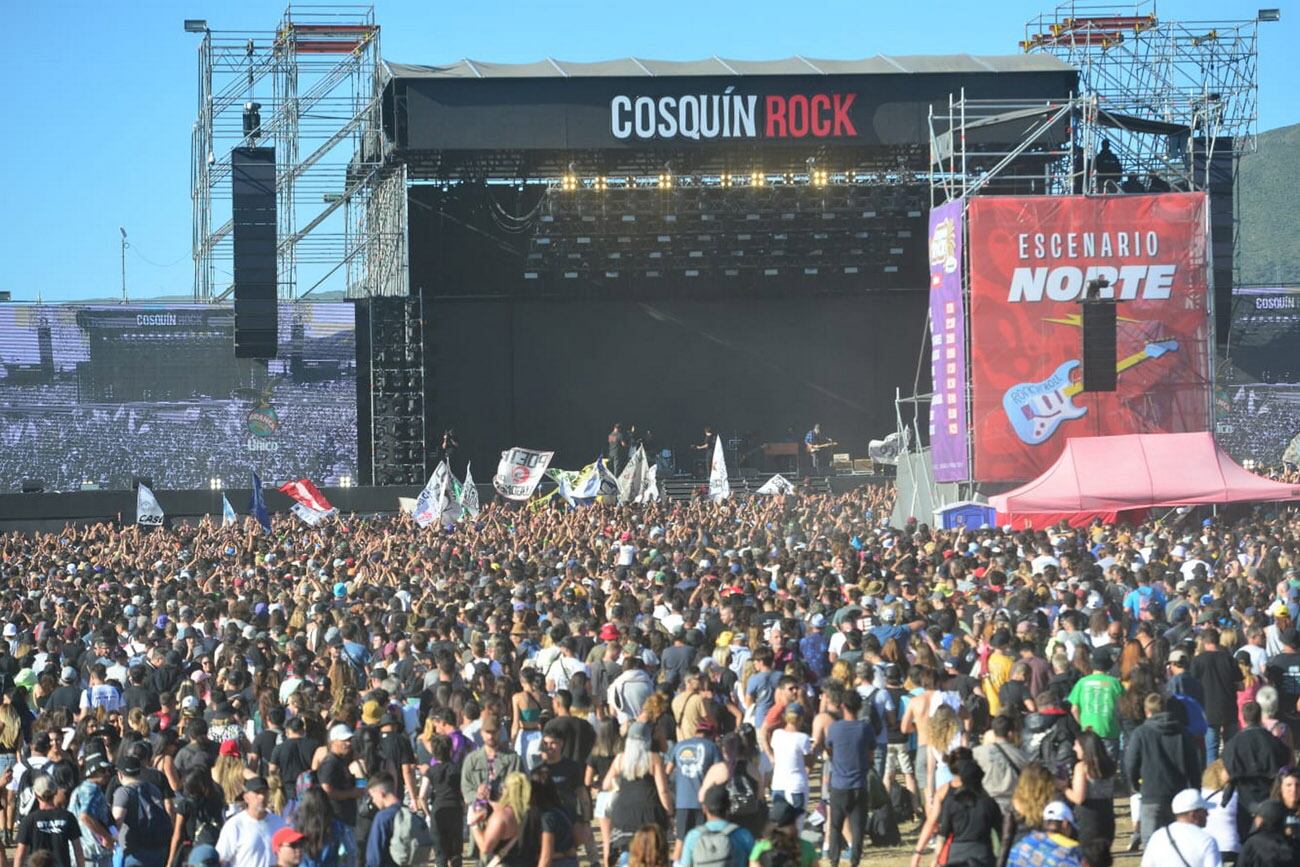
[101, 393]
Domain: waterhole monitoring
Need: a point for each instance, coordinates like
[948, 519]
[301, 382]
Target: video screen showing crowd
[97, 395]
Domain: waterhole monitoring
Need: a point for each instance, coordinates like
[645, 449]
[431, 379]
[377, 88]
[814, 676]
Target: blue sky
[99, 97]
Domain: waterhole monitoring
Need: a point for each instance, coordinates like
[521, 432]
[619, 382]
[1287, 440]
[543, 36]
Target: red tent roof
[1108, 474]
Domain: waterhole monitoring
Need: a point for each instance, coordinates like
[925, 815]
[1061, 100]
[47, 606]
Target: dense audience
[770, 681]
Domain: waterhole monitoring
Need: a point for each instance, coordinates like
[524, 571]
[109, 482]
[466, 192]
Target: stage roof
[636, 67]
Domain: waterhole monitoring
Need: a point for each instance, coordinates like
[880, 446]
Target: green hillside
[1270, 217]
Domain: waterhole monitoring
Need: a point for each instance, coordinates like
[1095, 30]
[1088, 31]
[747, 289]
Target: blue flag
[257, 506]
[227, 512]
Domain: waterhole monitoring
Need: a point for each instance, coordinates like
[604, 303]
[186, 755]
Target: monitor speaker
[1099, 323]
[252, 181]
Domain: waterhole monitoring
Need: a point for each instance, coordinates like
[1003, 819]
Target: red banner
[303, 491]
[1031, 259]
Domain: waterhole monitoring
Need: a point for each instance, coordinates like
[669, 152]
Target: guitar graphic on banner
[1037, 409]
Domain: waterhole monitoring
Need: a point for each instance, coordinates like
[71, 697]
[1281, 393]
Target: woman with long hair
[548, 825]
[944, 728]
[1250, 684]
[1035, 789]
[968, 818]
[740, 759]
[167, 744]
[1221, 819]
[497, 829]
[642, 796]
[198, 816]
[324, 834]
[11, 742]
[1092, 789]
[526, 718]
[1130, 658]
[1286, 788]
[649, 848]
[609, 743]
[228, 772]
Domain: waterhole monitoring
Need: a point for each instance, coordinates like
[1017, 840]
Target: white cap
[340, 732]
[1189, 800]
[190, 702]
[11, 631]
[1058, 811]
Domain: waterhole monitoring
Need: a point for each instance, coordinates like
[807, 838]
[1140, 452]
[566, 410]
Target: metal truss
[315, 83]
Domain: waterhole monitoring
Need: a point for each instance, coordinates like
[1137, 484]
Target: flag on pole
[147, 511]
[227, 512]
[432, 501]
[631, 482]
[257, 505]
[520, 471]
[303, 491]
[719, 486]
[778, 484]
[651, 491]
[469, 495]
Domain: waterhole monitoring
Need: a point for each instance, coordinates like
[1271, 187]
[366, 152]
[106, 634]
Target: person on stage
[816, 442]
[617, 454]
[704, 452]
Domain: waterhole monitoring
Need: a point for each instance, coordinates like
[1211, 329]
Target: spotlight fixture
[665, 181]
[214, 483]
[757, 179]
[196, 25]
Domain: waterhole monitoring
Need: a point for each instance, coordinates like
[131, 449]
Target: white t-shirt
[101, 695]
[246, 842]
[1221, 822]
[626, 554]
[1196, 846]
[789, 773]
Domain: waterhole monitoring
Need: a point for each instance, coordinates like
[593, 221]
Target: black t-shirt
[334, 772]
[1283, 671]
[576, 734]
[293, 756]
[394, 753]
[193, 757]
[264, 745]
[1219, 677]
[50, 831]
[68, 697]
[567, 775]
[1012, 696]
[444, 786]
[676, 662]
[141, 697]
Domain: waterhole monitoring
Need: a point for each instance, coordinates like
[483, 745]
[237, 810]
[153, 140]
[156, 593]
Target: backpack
[873, 715]
[148, 827]
[305, 781]
[882, 827]
[713, 848]
[411, 842]
[1056, 751]
[202, 828]
[741, 795]
[26, 794]
[902, 803]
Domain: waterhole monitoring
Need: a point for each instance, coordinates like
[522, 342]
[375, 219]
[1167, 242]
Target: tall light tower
[124, 246]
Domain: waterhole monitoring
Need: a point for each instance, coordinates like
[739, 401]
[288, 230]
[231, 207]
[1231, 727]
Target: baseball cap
[340, 732]
[130, 765]
[204, 856]
[1058, 811]
[1189, 800]
[1273, 813]
[256, 784]
[190, 702]
[286, 836]
[229, 748]
[1179, 656]
[68, 675]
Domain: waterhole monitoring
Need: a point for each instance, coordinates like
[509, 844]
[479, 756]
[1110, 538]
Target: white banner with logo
[719, 486]
[147, 511]
[632, 480]
[778, 484]
[469, 495]
[435, 497]
[309, 516]
[520, 471]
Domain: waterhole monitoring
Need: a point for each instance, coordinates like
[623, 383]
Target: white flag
[432, 501]
[309, 516]
[719, 487]
[147, 511]
[631, 482]
[227, 512]
[469, 495]
[406, 504]
[886, 451]
[778, 484]
[520, 471]
[651, 491]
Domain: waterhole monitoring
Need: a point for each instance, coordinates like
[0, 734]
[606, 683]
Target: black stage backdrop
[557, 374]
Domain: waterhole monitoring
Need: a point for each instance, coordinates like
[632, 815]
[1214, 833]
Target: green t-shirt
[1097, 698]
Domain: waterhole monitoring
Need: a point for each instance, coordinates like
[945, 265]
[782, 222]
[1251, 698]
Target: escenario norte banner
[1031, 260]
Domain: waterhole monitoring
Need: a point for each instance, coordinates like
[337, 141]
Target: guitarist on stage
[816, 443]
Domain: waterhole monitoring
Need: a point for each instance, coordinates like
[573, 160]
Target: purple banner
[948, 427]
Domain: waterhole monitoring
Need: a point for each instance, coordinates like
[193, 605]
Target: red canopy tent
[1118, 478]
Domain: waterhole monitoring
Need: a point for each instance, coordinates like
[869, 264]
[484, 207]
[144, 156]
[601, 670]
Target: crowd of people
[775, 682]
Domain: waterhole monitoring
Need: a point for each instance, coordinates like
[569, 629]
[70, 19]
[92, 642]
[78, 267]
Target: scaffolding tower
[1201, 75]
[311, 88]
